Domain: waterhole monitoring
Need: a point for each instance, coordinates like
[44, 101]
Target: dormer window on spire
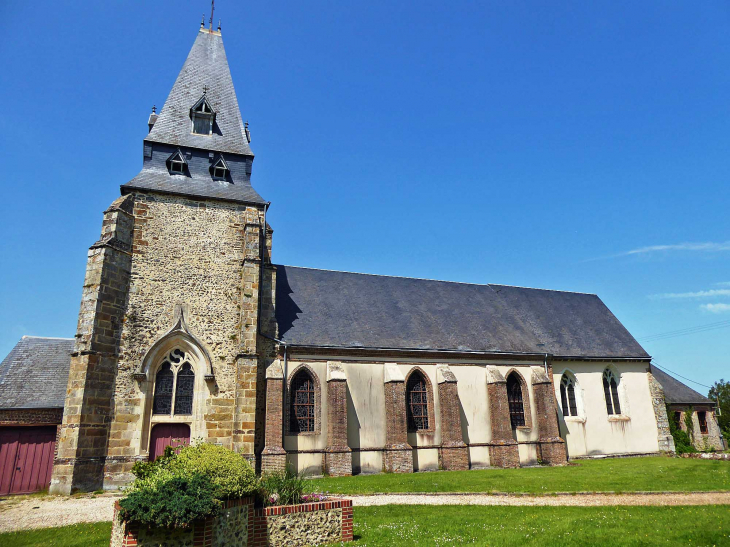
[202, 116]
[219, 169]
[177, 164]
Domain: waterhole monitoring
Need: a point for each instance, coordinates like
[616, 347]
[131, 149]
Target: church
[187, 330]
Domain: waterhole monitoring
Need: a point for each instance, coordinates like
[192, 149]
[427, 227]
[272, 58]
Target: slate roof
[35, 373]
[675, 392]
[348, 310]
[198, 185]
[206, 65]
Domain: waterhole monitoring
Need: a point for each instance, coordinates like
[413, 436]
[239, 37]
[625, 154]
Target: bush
[282, 488]
[144, 470]
[682, 441]
[172, 503]
[231, 474]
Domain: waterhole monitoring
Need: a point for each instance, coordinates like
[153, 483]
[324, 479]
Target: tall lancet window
[174, 386]
[515, 401]
[567, 396]
[202, 116]
[610, 392]
[163, 389]
[184, 390]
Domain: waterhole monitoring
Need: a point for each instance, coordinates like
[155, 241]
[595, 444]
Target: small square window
[177, 167]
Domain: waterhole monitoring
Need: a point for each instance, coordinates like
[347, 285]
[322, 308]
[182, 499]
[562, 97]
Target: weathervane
[212, 9]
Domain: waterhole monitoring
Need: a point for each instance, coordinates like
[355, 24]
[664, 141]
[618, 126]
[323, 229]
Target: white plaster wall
[365, 415]
[593, 432]
[475, 428]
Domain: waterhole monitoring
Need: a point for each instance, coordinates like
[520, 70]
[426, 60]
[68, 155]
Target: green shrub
[173, 503]
[282, 488]
[682, 441]
[231, 474]
[143, 470]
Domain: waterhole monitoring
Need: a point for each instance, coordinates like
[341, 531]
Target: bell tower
[168, 345]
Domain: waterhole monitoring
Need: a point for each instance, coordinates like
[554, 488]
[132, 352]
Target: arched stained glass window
[514, 399]
[610, 392]
[567, 396]
[164, 382]
[184, 390]
[417, 398]
[301, 412]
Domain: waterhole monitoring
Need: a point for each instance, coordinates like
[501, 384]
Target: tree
[721, 391]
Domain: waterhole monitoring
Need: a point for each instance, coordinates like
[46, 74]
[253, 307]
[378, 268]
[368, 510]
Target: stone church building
[187, 330]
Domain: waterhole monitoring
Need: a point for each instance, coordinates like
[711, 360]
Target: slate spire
[200, 122]
[205, 72]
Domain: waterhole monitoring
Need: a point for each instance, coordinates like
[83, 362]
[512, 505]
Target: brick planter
[241, 524]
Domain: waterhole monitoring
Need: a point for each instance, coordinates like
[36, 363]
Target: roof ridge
[46, 337]
[435, 280]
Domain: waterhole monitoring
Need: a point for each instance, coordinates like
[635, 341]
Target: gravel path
[581, 499]
[24, 512]
[21, 513]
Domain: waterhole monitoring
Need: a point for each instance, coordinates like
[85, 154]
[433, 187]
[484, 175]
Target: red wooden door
[168, 435]
[26, 458]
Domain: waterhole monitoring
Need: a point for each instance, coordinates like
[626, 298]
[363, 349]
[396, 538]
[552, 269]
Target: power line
[653, 362]
[686, 331]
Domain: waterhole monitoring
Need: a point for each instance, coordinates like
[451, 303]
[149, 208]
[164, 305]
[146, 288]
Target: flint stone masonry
[241, 525]
[204, 257]
[664, 437]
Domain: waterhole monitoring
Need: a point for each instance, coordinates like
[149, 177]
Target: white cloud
[680, 247]
[712, 293]
[651, 249]
[716, 308]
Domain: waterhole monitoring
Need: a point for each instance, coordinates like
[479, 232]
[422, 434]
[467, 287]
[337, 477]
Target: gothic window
[219, 169]
[163, 390]
[302, 411]
[417, 398]
[174, 386]
[610, 392]
[702, 418]
[202, 116]
[567, 396]
[184, 390]
[515, 401]
[176, 163]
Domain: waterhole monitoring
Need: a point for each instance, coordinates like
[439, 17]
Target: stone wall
[201, 260]
[665, 439]
[241, 525]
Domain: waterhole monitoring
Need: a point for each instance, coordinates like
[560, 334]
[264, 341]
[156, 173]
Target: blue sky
[580, 146]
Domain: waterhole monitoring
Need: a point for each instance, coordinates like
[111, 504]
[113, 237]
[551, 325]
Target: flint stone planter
[241, 524]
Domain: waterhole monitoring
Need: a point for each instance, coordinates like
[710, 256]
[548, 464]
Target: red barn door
[168, 435]
[26, 458]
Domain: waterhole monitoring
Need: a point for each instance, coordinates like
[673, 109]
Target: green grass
[77, 535]
[420, 525]
[607, 475]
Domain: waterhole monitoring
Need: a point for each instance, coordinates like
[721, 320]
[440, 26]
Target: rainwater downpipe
[545, 363]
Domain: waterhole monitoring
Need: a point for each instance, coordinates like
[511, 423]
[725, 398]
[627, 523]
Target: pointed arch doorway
[164, 435]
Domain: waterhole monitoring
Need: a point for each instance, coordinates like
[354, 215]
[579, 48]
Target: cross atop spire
[212, 9]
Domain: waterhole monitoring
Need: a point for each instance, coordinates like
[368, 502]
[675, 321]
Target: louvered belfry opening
[417, 397]
[514, 398]
[302, 403]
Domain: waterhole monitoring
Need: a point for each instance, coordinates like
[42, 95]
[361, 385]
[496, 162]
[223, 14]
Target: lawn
[419, 525]
[606, 475]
